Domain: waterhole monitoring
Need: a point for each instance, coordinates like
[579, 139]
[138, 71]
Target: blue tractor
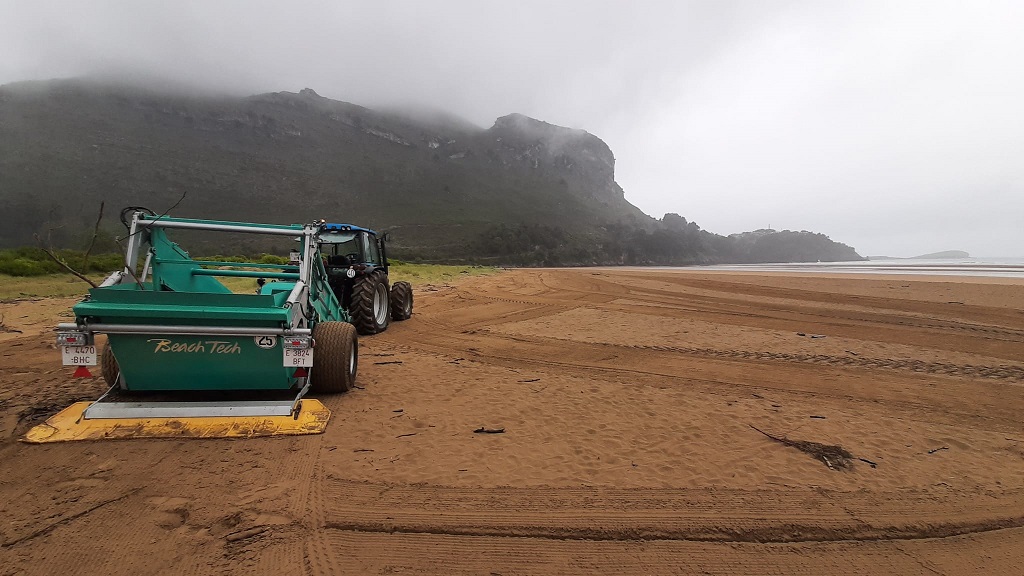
[356, 259]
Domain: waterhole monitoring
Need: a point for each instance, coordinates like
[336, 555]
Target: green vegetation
[415, 274]
[420, 274]
[261, 259]
[30, 261]
[30, 273]
[788, 246]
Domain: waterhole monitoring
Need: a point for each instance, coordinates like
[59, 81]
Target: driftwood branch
[5, 328]
[92, 242]
[47, 248]
[60, 261]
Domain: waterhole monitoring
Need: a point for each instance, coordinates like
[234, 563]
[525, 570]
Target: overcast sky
[896, 127]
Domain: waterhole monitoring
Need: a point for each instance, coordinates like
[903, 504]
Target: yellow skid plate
[68, 425]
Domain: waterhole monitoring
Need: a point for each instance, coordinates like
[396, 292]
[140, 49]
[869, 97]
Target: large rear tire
[370, 309]
[401, 301]
[335, 357]
[108, 366]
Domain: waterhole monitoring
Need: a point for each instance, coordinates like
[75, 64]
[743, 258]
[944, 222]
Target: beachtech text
[207, 347]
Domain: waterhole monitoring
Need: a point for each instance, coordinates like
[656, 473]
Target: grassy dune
[415, 274]
[46, 286]
[64, 285]
[435, 273]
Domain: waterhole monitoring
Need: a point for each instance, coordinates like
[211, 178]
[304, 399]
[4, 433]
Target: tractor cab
[345, 246]
[356, 260]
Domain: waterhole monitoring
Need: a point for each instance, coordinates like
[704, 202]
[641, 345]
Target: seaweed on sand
[834, 456]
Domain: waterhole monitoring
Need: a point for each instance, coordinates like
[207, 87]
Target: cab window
[370, 249]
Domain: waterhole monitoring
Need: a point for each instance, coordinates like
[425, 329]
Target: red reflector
[301, 372]
[296, 343]
[82, 372]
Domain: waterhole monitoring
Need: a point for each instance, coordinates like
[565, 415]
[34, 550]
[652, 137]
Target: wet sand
[629, 400]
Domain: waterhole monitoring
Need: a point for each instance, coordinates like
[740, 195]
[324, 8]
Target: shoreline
[1009, 271]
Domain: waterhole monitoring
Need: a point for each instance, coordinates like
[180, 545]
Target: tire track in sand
[711, 515]
[1000, 372]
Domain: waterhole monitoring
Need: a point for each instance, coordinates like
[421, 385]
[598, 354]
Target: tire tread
[334, 342]
[361, 307]
[401, 293]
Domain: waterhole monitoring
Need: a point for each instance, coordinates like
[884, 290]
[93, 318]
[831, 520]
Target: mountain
[946, 254]
[521, 191]
[788, 246]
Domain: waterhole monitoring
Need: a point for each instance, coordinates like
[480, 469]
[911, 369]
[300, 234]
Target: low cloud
[892, 127]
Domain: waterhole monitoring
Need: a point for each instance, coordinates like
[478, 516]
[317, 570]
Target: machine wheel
[108, 366]
[335, 357]
[370, 308]
[401, 301]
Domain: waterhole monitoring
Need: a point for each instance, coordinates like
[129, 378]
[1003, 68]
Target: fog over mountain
[891, 126]
[522, 192]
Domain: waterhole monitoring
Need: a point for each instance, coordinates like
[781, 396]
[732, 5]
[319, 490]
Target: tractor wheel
[401, 301]
[108, 366]
[369, 307]
[335, 357]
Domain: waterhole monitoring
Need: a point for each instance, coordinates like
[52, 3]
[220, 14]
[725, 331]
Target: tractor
[357, 264]
[187, 357]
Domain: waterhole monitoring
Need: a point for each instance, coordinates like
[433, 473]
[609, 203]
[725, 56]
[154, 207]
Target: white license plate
[78, 355]
[294, 357]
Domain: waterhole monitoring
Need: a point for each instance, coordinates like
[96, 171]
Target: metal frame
[115, 410]
[182, 330]
[101, 410]
[142, 222]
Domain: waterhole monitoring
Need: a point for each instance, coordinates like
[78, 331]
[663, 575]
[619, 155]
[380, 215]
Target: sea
[989, 267]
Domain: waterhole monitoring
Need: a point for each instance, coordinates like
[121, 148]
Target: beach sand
[631, 402]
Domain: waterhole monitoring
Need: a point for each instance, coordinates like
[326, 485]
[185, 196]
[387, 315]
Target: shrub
[272, 259]
[24, 267]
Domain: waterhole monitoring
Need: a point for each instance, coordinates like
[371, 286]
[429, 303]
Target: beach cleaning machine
[187, 357]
